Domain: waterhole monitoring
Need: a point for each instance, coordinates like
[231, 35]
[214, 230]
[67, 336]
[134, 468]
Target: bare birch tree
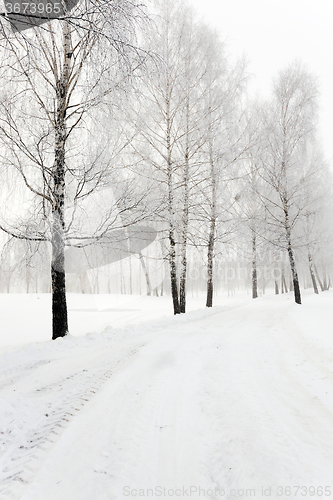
[224, 145]
[170, 129]
[57, 76]
[290, 120]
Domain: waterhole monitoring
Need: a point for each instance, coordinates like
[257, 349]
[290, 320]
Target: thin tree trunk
[96, 281]
[182, 279]
[325, 281]
[27, 276]
[313, 278]
[254, 267]
[172, 252]
[318, 278]
[183, 263]
[210, 263]
[212, 229]
[130, 275]
[295, 280]
[171, 210]
[122, 281]
[276, 282]
[173, 273]
[145, 271]
[282, 279]
[59, 303]
[9, 280]
[84, 282]
[291, 284]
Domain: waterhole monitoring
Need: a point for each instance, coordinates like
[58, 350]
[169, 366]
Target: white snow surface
[234, 402]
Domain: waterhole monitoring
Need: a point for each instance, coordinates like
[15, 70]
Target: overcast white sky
[274, 33]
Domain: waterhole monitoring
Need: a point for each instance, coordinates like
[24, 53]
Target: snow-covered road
[236, 402]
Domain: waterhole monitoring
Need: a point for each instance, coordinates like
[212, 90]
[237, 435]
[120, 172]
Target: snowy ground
[231, 403]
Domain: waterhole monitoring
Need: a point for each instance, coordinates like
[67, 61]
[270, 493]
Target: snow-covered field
[230, 403]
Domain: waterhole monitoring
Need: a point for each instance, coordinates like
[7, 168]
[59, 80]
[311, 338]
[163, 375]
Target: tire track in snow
[151, 433]
[251, 400]
[24, 453]
[154, 409]
[23, 457]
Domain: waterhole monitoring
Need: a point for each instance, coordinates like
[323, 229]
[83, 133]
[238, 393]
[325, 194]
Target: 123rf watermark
[295, 491]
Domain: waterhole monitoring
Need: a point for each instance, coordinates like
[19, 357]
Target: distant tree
[316, 184]
[220, 148]
[248, 207]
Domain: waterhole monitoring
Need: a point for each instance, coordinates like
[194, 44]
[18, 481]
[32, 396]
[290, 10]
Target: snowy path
[230, 401]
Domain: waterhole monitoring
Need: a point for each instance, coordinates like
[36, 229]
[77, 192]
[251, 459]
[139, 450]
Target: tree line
[119, 118]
